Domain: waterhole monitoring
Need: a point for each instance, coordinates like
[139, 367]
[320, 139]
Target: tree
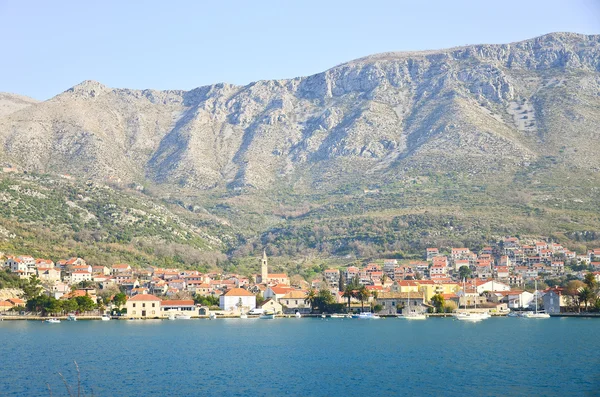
[53, 306]
[69, 305]
[363, 294]
[465, 272]
[259, 299]
[590, 281]
[383, 279]
[32, 289]
[349, 293]
[324, 299]
[341, 284]
[438, 301]
[85, 303]
[311, 297]
[586, 295]
[119, 300]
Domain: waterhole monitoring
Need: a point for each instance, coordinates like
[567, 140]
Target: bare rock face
[10, 103]
[479, 109]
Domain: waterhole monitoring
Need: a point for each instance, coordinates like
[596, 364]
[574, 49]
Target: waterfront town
[508, 276]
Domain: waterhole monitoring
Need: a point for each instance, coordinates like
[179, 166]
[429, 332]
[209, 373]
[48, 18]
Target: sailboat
[412, 314]
[467, 316]
[537, 314]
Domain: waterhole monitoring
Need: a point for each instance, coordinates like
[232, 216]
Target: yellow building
[143, 306]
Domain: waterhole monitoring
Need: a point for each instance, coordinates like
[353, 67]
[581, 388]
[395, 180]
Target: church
[270, 278]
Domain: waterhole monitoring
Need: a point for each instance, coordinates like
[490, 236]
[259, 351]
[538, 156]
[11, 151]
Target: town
[506, 277]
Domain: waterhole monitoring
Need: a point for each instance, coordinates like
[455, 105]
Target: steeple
[264, 273]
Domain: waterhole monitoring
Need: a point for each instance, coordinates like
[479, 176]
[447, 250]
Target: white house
[80, 275]
[492, 285]
[236, 299]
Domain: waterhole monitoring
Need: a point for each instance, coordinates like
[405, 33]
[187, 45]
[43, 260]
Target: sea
[302, 357]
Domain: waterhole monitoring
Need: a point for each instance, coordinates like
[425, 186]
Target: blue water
[306, 357]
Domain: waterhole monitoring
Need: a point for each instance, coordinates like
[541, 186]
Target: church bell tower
[264, 274]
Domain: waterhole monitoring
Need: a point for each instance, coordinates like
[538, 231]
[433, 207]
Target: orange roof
[280, 290]
[238, 292]
[144, 297]
[175, 302]
[6, 304]
[120, 266]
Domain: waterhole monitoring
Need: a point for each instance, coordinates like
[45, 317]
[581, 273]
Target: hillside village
[497, 279]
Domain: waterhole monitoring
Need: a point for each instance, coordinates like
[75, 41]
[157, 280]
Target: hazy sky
[49, 46]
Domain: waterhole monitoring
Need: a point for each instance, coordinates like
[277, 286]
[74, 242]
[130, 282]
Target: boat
[513, 314]
[469, 316]
[340, 315]
[412, 314]
[368, 316]
[71, 317]
[105, 317]
[212, 316]
[268, 316]
[181, 316]
[536, 314]
[243, 315]
[53, 321]
[298, 315]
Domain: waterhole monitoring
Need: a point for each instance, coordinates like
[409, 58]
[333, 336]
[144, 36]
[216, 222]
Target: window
[153, 306]
[393, 303]
[134, 306]
[143, 305]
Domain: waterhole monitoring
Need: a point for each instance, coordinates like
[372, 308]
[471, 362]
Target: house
[431, 252]
[143, 306]
[79, 276]
[501, 272]
[5, 306]
[101, 270]
[45, 263]
[395, 302]
[555, 300]
[276, 292]
[270, 305]
[294, 299]
[332, 276]
[16, 301]
[49, 274]
[236, 299]
[491, 285]
[178, 306]
[120, 268]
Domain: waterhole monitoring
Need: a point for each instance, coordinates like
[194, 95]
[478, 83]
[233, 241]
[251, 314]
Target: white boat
[298, 315]
[267, 316]
[243, 315]
[212, 316]
[472, 317]
[105, 317]
[368, 316]
[536, 314]
[53, 321]
[71, 317]
[468, 316]
[339, 316]
[181, 316]
[513, 314]
[414, 316]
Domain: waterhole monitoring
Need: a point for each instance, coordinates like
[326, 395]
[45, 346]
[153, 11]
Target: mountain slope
[484, 139]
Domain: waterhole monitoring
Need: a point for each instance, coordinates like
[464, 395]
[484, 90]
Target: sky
[50, 46]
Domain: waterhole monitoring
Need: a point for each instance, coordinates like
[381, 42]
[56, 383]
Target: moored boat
[267, 316]
[53, 321]
[368, 316]
[105, 317]
[71, 317]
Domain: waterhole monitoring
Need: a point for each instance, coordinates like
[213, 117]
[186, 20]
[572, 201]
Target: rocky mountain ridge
[479, 109]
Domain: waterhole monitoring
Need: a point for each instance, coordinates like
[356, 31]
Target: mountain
[484, 135]
[10, 103]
